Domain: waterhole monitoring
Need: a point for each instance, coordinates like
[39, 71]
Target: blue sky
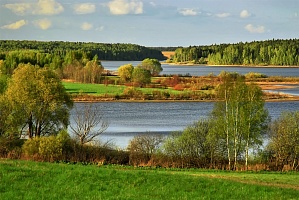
[149, 22]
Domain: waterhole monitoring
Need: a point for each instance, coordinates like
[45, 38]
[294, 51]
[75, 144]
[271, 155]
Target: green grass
[32, 180]
[101, 89]
[94, 89]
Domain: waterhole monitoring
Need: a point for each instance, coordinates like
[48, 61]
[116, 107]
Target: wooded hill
[104, 51]
[270, 52]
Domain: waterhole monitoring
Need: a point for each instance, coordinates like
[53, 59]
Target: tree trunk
[30, 126]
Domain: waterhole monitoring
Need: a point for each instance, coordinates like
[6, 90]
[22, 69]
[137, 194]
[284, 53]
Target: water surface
[129, 119]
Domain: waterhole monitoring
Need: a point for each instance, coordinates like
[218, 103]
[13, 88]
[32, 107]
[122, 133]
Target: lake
[201, 70]
[126, 119]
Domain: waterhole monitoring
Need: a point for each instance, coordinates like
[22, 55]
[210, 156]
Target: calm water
[205, 70]
[128, 119]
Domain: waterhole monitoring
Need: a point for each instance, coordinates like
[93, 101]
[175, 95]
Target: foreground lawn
[32, 180]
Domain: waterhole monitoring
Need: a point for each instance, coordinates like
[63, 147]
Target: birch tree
[240, 117]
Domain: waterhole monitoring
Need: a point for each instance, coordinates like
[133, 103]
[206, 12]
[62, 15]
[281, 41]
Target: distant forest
[270, 52]
[104, 51]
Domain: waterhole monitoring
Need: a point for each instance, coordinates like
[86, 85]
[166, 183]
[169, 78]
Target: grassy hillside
[32, 180]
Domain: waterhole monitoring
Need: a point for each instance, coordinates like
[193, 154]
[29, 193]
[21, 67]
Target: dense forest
[68, 58]
[270, 52]
[104, 51]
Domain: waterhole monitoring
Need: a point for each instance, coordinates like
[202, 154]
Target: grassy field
[95, 89]
[32, 180]
[101, 89]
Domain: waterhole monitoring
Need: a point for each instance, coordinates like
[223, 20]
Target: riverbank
[209, 65]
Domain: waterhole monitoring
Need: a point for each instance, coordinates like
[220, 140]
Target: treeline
[103, 51]
[270, 52]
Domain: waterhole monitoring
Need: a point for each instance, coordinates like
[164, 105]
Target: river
[126, 119]
[201, 70]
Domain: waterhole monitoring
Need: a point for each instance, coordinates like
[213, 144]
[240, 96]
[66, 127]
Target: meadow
[21, 179]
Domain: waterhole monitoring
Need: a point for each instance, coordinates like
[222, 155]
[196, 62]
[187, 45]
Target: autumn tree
[92, 72]
[38, 102]
[125, 72]
[153, 65]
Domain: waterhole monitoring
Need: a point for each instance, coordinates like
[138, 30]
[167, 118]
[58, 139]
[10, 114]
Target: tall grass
[32, 180]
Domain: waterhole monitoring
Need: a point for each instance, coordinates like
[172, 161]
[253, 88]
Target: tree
[153, 65]
[193, 147]
[141, 76]
[146, 144]
[125, 72]
[92, 72]
[87, 124]
[284, 139]
[240, 118]
[37, 102]
[143, 147]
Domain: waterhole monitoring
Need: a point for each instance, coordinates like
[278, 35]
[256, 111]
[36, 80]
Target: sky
[152, 23]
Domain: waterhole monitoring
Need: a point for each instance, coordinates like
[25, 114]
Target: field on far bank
[168, 54]
[33, 180]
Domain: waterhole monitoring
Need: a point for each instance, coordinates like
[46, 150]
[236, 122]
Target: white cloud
[84, 8]
[43, 24]
[86, 26]
[42, 7]
[15, 25]
[48, 7]
[123, 7]
[255, 29]
[188, 12]
[244, 14]
[223, 15]
[19, 8]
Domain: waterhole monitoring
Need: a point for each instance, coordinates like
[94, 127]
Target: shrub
[252, 75]
[8, 145]
[142, 147]
[31, 147]
[50, 148]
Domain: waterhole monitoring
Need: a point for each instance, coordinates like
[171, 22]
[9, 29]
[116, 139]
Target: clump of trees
[270, 52]
[141, 74]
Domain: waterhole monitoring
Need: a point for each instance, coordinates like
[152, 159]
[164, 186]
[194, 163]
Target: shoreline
[287, 99]
[243, 66]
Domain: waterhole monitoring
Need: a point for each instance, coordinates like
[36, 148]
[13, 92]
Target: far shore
[257, 66]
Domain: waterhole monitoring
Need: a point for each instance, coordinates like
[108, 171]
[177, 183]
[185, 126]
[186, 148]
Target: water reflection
[128, 119]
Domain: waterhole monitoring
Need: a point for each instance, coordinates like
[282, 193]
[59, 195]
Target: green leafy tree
[284, 139]
[125, 72]
[153, 65]
[38, 102]
[141, 76]
[240, 118]
[193, 147]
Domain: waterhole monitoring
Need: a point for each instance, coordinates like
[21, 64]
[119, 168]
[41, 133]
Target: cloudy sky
[149, 22]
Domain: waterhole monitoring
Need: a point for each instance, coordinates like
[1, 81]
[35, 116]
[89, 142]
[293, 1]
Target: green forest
[270, 52]
[57, 53]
